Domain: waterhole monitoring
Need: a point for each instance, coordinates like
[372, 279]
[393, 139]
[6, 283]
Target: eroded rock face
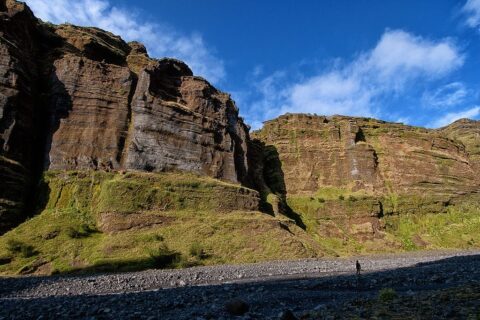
[181, 122]
[75, 98]
[18, 109]
[370, 167]
[468, 132]
[112, 107]
[89, 108]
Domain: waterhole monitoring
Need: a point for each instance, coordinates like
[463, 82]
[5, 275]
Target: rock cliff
[76, 98]
[356, 170]
[467, 132]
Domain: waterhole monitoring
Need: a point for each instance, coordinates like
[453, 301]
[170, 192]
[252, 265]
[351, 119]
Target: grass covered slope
[352, 224]
[98, 221]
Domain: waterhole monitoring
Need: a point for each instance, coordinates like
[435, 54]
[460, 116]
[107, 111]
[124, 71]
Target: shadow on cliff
[55, 106]
[267, 177]
[60, 105]
[452, 272]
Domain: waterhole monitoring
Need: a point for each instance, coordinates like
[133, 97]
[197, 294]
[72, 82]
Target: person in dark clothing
[359, 268]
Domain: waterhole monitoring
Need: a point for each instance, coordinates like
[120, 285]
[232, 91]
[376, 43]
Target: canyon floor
[420, 285]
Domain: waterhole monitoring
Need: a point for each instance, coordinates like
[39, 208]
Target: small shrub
[408, 243]
[18, 247]
[81, 231]
[387, 294]
[196, 250]
[352, 198]
[321, 200]
[163, 257]
[341, 197]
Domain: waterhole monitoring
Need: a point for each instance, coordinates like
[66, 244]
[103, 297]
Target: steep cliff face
[76, 98]
[355, 170]
[18, 108]
[89, 86]
[113, 107]
[181, 122]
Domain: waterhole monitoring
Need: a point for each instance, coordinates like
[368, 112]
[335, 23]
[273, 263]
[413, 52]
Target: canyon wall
[75, 98]
[356, 170]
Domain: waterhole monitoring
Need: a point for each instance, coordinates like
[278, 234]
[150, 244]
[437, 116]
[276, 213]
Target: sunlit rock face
[361, 168]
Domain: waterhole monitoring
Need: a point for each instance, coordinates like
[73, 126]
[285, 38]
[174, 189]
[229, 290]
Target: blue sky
[415, 62]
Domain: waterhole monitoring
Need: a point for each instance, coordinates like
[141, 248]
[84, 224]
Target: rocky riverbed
[423, 285]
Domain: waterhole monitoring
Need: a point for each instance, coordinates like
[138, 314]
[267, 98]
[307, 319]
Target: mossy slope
[81, 227]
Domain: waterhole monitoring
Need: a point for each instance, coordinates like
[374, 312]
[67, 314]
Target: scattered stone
[237, 307]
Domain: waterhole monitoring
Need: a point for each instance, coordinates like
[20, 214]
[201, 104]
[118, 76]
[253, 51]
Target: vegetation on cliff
[96, 221]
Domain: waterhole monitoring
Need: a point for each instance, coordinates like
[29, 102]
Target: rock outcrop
[468, 132]
[75, 98]
[19, 109]
[355, 170]
[112, 107]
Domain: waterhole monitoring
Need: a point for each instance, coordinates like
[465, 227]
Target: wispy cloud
[450, 95]
[471, 9]
[448, 118]
[161, 40]
[355, 88]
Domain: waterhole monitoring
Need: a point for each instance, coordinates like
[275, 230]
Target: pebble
[326, 293]
[237, 307]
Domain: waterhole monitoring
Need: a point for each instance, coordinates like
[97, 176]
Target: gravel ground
[323, 288]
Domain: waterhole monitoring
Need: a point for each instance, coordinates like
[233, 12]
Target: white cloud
[332, 93]
[472, 11]
[160, 40]
[454, 116]
[400, 56]
[449, 95]
[393, 65]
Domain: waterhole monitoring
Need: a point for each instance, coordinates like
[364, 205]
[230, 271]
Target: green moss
[456, 228]
[67, 234]
[202, 230]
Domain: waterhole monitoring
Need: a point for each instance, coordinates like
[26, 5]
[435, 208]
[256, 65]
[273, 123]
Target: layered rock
[358, 168]
[75, 98]
[19, 108]
[468, 132]
[89, 94]
[113, 107]
[181, 122]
